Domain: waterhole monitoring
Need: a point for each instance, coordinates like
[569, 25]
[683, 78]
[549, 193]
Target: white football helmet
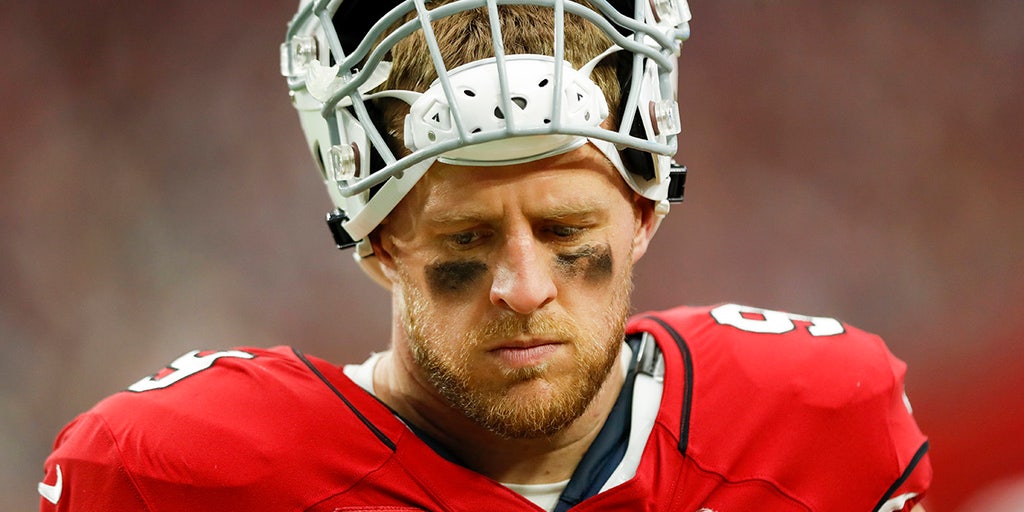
[334, 57]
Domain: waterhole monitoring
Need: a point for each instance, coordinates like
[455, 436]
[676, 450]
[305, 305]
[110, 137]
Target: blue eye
[464, 238]
[565, 231]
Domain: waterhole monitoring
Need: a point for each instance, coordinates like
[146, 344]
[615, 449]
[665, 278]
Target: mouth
[525, 353]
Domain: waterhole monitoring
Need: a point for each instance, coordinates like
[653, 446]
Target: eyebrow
[458, 217]
[472, 216]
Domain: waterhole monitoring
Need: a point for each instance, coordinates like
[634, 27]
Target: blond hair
[466, 37]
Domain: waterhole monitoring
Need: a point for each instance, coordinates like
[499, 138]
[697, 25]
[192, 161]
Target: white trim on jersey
[544, 496]
[897, 503]
[362, 374]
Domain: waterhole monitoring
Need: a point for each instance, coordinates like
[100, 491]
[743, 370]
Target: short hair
[466, 37]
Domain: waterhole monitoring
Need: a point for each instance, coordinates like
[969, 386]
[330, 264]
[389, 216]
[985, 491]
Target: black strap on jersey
[363, 419]
[687, 405]
[903, 478]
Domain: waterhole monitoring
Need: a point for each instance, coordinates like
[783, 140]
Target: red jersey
[761, 410]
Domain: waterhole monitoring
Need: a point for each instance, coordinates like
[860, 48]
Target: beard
[524, 402]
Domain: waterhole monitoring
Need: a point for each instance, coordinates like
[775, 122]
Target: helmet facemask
[341, 84]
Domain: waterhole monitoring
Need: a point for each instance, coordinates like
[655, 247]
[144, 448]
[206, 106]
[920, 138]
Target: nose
[523, 280]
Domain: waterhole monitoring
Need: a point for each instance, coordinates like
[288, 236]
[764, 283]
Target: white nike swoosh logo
[52, 492]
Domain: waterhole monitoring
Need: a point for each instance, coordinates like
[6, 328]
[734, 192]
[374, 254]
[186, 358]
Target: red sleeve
[85, 472]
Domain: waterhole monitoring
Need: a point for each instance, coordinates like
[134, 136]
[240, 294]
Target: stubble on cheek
[594, 263]
[453, 278]
[534, 402]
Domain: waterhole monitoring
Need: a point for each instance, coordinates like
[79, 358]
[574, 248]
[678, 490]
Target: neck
[521, 461]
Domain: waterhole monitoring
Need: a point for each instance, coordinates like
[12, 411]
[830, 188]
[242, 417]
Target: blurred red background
[853, 159]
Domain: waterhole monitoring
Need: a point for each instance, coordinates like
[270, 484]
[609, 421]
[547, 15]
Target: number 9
[773, 322]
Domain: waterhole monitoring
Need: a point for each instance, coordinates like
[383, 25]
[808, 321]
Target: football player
[500, 166]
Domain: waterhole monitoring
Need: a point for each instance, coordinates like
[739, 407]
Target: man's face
[512, 286]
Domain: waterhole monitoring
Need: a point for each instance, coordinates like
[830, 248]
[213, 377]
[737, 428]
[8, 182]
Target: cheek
[593, 263]
[453, 278]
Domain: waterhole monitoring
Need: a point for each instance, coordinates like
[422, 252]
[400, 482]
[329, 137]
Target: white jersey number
[766, 321]
[184, 366]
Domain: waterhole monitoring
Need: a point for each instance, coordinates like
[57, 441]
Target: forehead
[581, 179]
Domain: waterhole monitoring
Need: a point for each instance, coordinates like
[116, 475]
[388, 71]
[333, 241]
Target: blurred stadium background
[855, 159]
